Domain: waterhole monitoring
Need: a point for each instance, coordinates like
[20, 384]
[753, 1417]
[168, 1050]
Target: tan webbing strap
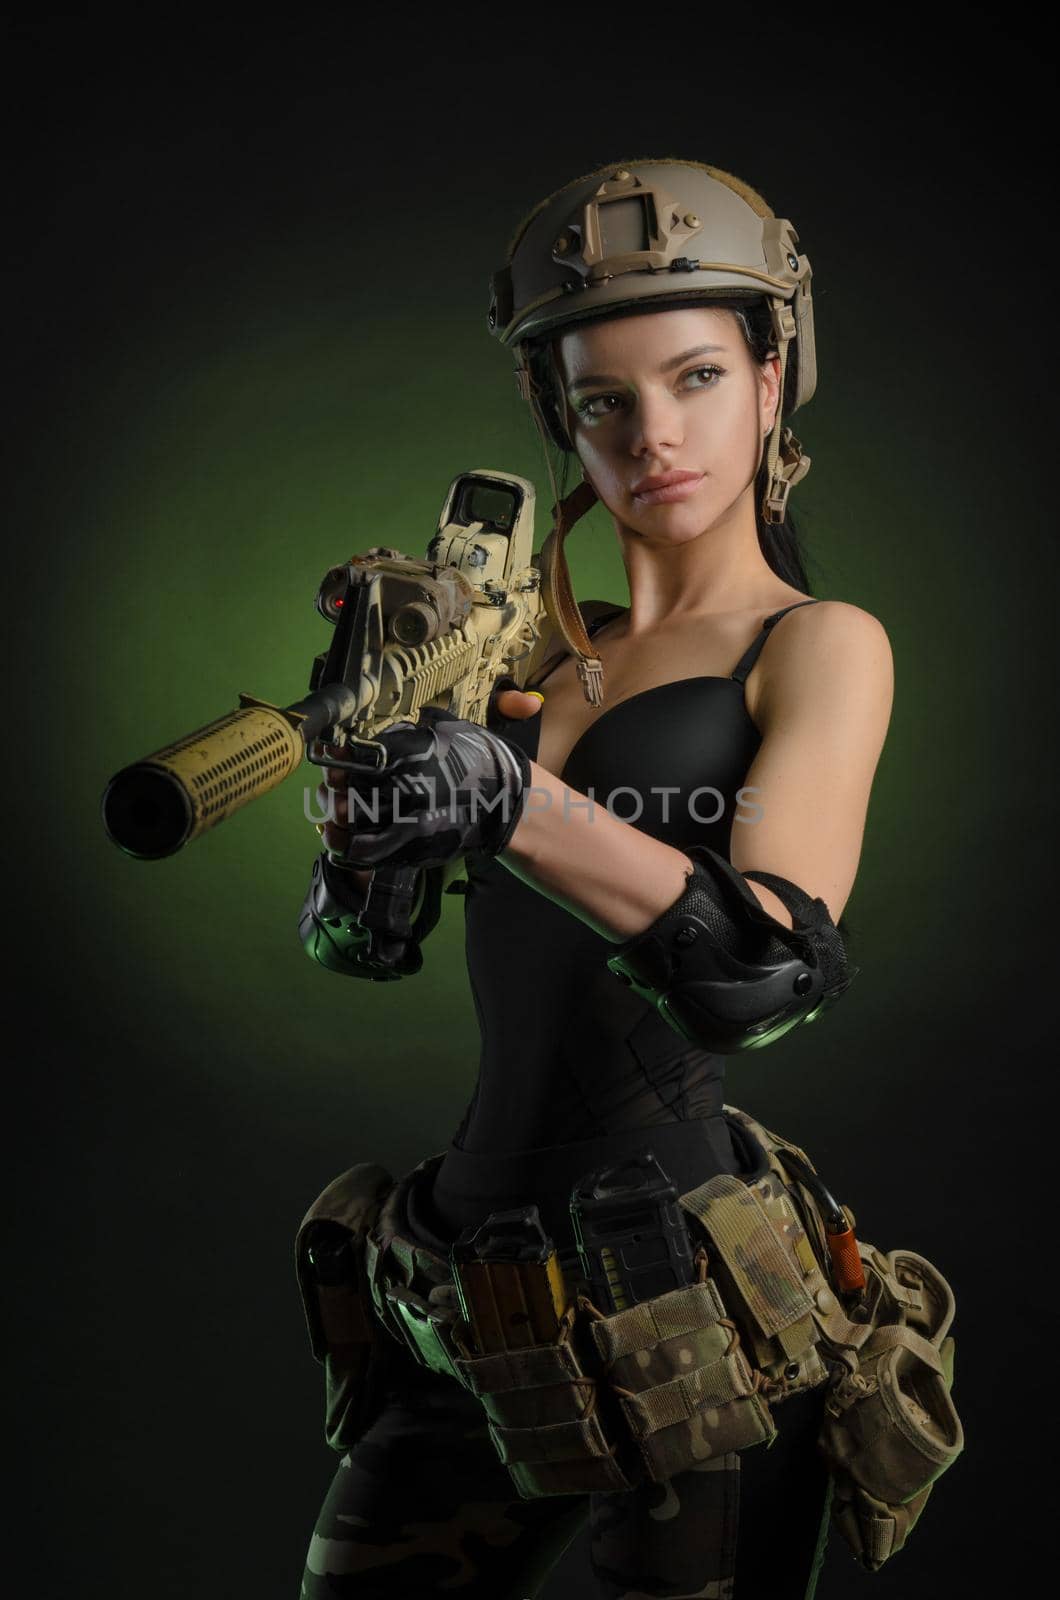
[555, 578]
[665, 1404]
[647, 1323]
[786, 462]
[550, 648]
[564, 1444]
[777, 490]
[844, 1333]
[895, 1333]
[559, 597]
[840, 1331]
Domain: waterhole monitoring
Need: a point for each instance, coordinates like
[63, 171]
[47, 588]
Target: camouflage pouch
[695, 1371]
[890, 1428]
[767, 1276]
[545, 1418]
[683, 1383]
[343, 1333]
[545, 1412]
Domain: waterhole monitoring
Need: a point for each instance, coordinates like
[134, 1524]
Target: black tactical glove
[449, 786]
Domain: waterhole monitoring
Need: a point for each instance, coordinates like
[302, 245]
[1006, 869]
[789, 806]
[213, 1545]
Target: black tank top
[574, 1066]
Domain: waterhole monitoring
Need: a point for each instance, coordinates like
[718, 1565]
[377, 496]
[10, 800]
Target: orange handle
[846, 1262]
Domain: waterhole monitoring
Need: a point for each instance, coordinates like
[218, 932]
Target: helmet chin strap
[556, 591]
[783, 445]
[558, 594]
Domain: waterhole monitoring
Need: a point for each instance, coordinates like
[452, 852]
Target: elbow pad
[723, 972]
[330, 928]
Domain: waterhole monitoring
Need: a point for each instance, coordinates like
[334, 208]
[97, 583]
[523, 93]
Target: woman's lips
[674, 491]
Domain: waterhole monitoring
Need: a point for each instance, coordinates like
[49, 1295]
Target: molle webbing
[650, 1321]
[541, 1407]
[695, 1313]
[684, 1385]
[684, 1399]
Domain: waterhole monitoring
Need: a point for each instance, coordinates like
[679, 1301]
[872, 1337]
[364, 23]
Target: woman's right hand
[332, 794]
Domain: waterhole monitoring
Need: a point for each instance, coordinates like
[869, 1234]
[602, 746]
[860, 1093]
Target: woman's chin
[673, 524]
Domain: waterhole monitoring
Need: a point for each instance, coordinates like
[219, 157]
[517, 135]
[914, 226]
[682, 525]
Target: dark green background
[248, 294]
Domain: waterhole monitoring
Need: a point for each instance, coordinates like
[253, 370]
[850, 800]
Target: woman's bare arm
[823, 713]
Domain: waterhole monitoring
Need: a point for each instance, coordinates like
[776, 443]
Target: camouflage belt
[649, 1391]
[669, 1382]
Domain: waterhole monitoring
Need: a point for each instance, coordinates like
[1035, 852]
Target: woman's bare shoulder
[830, 640]
[831, 618]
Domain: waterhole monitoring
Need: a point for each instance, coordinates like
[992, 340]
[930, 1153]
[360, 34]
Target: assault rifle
[408, 633]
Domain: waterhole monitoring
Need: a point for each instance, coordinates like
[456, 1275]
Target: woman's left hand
[448, 786]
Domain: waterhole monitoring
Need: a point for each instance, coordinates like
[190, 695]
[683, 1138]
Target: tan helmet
[646, 235]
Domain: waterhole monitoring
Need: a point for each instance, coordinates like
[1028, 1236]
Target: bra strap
[750, 655]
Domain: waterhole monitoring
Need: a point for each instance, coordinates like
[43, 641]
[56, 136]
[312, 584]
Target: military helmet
[642, 236]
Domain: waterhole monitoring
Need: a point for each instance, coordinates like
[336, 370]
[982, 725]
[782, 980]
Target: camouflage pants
[421, 1506]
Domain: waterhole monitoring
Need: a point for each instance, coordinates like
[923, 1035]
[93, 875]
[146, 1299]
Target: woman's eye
[585, 408]
[694, 372]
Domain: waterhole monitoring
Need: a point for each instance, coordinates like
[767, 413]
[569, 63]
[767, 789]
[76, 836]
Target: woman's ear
[769, 373]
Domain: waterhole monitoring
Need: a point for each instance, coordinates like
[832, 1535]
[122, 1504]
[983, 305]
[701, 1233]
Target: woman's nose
[657, 424]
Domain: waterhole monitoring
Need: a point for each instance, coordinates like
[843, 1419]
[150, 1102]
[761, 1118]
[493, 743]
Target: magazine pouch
[547, 1420]
[682, 1381]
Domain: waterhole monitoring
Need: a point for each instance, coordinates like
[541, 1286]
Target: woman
[661, 320]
